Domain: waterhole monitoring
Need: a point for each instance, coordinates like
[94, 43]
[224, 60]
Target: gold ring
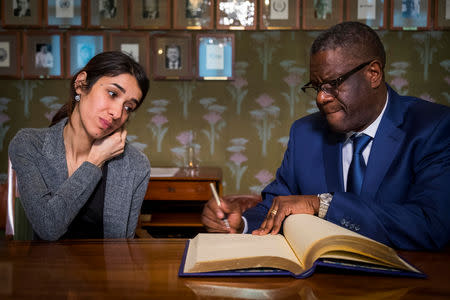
[273, 212]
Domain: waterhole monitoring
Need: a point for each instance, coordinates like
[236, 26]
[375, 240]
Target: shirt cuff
[245, 224]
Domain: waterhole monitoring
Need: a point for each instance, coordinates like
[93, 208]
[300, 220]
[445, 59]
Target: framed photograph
[370, 12]
[193, 14]
[10, 54]
[150, 14]
[43, 55]
[107, 14]
[64, 13]
[135, 44]
[410, 14]
[81, 47]
[279, 14]
[236, 14]
[215, 56]
[321, 14]
[442, 14]
[172, 56]
[21, 13]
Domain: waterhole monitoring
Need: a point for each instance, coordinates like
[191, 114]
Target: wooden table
[148, 269]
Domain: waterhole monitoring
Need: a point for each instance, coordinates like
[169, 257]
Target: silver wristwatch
[324, 203]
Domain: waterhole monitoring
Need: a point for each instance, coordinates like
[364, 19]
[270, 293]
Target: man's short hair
[351, 35]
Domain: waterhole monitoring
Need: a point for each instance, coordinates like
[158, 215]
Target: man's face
[150, 5]
[354, 108]
[44, 49]
[172, 53]
[22, 4]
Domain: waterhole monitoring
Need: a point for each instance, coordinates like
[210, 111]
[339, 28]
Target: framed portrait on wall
[193, 14]
[215, 56]
[410, 14]
[135, 44]
[43, 55]
[172, 56]
[107, 14]
[279, 14]
[321, 14]
[150, 14]
[370, 12]
[442, 14]
[81, 47]
[64, 13]
[21, 13]
[10, 54]
[236, 14]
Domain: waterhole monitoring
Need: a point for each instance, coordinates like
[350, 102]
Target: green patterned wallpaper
[242, 125]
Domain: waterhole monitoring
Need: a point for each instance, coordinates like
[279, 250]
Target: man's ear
[80, 81]
[376, 74]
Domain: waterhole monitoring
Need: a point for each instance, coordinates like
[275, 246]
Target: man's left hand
[283, 206]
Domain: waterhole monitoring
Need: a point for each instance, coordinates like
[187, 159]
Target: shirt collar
[372, 129]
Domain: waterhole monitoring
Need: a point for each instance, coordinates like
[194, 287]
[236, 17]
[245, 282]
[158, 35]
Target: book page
[311, 237]
[216, 252]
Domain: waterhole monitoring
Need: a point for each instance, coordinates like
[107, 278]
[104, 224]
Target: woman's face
[106, 107]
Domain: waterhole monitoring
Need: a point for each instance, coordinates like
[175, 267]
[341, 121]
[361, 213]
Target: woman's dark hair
[111, 63]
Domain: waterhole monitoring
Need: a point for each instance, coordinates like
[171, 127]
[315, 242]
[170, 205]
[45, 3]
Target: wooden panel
[181, 219]
[178, 190]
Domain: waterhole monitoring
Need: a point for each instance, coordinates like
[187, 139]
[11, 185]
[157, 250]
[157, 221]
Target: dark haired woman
[79, 178]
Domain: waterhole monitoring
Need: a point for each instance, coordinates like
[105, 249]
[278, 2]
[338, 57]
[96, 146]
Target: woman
[79, 178]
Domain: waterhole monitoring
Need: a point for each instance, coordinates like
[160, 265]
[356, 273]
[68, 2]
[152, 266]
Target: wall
[242, 125]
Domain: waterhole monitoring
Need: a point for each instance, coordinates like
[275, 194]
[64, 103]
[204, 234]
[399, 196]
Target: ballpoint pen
[216, 196]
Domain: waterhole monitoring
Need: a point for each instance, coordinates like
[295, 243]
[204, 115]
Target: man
[108, 9]
[44, 58]
[150, 9]
[173, 57]
[22, 8]
[401, 198]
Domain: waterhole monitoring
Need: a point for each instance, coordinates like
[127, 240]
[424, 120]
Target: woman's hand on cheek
[108, 147]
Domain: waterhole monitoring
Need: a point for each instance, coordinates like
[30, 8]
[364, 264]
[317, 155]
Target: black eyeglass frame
[336, 82]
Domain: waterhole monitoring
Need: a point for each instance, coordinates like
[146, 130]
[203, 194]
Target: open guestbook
[308, 242]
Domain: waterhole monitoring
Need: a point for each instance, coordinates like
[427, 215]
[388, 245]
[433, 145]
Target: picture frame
[172, 56]
[108, 14]
[13, 15]
[442, 15]
[370, 12]
[410, 15]
[150, 14]
[193, 14]
[236, 14]
[321, 14]
[279, 14]
[43, 55]
[10, 45]
[215, 56]
[80, 48]
[136, 44]
[64, 13]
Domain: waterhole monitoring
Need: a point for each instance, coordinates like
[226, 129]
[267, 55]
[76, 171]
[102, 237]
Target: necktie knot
[360, 142]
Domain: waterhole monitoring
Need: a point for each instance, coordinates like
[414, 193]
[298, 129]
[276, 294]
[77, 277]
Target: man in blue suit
[371, 160]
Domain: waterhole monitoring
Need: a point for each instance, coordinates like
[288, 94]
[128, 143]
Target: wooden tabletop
[148, 269]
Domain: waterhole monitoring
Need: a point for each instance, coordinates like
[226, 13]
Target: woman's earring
[77, 98]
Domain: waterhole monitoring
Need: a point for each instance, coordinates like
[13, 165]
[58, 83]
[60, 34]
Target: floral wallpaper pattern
[243, 125]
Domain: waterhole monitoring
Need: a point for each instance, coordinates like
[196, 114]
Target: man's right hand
[213, 214]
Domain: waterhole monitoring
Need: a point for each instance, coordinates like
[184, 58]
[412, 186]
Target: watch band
[324, 203]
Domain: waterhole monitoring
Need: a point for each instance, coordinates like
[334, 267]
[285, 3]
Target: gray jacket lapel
[118, 196]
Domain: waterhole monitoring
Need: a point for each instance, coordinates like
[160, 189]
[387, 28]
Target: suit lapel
[332, 157]
[118, 196]
[386, 145]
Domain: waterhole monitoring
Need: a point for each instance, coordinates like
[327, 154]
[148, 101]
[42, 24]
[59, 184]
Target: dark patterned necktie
[357, 166]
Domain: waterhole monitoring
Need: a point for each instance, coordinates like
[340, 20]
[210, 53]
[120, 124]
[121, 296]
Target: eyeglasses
[332, 87]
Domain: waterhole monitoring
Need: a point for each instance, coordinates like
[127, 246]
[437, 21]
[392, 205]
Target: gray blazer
[51, 199]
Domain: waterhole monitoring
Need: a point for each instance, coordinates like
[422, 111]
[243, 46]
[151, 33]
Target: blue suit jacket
[405, 196]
